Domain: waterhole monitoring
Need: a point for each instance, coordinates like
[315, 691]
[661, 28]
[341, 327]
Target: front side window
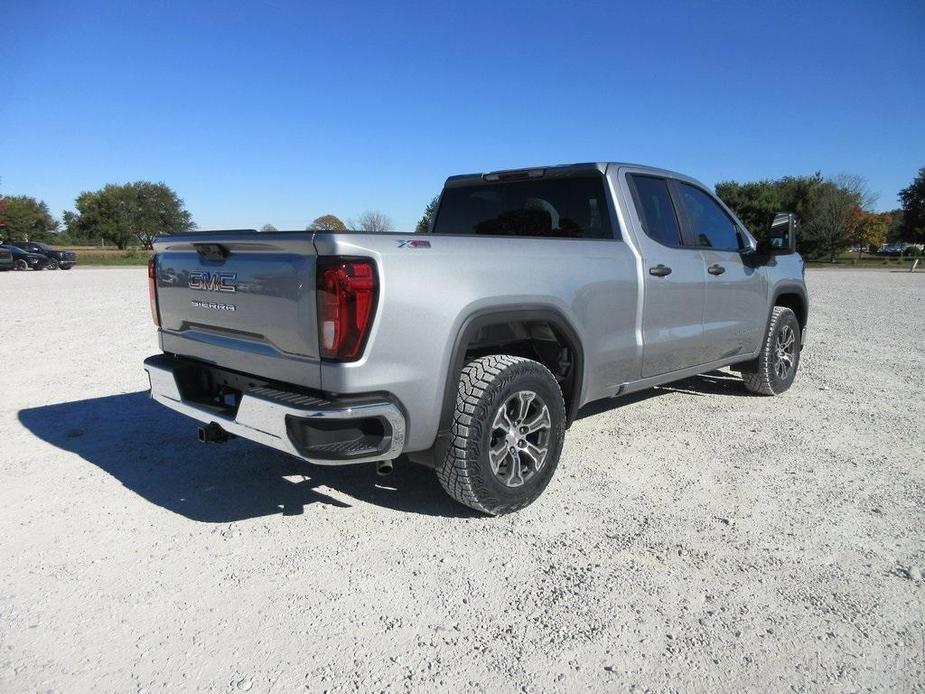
[656, 211]
[573, 207]
[710, 225]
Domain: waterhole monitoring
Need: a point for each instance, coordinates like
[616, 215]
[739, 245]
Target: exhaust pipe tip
[384, 467]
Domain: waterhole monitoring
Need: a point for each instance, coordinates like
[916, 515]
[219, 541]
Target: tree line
[124, 215]
[131, 214]
[371, 220]
[834, 214]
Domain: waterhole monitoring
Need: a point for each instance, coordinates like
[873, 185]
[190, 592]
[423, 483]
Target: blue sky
[276, 112]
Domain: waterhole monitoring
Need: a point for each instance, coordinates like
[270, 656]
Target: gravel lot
[694, 538]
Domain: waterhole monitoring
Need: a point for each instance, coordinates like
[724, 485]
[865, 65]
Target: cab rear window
[572, 208]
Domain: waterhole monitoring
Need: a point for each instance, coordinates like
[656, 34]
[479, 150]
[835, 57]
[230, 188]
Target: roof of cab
[554, 171]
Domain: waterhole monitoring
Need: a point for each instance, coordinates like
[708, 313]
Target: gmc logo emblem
[213, 281]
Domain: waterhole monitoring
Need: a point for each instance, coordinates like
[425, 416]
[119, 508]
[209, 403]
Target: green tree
[268, 227]
[894, 232]
[327, 222]
[823, 207]
[424, 223]
[912, 198]
[830, 223]
[798, 194]
[23, 218]
[126, 214]
[756, 202]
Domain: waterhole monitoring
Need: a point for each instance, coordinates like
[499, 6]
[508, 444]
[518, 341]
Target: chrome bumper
[262, 412]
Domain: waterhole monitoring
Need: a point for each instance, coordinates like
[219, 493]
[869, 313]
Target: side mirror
[781, 237]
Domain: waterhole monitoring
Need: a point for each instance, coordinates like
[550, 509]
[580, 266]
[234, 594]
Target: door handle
[660, 270]
[716, 269]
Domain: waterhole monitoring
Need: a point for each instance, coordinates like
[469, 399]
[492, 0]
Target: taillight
[152, 290]
[347, 290]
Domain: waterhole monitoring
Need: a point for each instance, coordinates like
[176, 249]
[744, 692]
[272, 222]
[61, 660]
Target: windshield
[573, 207]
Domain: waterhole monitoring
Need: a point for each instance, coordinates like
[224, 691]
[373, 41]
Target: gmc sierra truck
[471, 348]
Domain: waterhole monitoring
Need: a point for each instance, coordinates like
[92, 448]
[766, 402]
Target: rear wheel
[775, 368]
[507, 434]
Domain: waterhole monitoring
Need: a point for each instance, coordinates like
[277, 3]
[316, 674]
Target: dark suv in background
[57, 258]
[23, 259]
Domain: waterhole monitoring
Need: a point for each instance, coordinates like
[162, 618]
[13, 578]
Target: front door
[674, 277]
[736, 299]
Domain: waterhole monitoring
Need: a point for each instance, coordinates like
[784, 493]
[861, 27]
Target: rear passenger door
[735, 306]
[674, 279]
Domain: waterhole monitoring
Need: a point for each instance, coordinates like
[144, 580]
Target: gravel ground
[694, 538]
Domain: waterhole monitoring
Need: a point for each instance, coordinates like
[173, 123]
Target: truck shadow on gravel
[154, 452]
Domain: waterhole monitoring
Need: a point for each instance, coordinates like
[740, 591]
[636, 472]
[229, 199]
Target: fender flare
[792, 288]
[501, 314]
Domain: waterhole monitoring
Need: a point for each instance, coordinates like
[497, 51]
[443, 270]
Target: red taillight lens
[347, 291]
[152, 290]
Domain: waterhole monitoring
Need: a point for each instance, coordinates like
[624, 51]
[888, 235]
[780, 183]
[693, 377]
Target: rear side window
[656, 211]
[574, 207]
[711, 226]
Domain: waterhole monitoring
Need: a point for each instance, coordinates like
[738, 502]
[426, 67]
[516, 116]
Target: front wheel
[20, 265]
[775, 368]
[52, 264]
[507, 433]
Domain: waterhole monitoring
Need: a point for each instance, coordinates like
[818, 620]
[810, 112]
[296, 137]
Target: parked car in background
[23, 260]
[892, 249]
[57, 258]
[6, 258]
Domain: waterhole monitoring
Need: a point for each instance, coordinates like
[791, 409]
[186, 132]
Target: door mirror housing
[781, 235]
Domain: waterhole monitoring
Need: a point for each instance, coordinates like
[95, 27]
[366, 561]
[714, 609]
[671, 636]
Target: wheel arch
[793, 296]
[478, 321]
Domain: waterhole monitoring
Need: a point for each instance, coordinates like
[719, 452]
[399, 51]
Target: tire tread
[458, 473]
[758, 378]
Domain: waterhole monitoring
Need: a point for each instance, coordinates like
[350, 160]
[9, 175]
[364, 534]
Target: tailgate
[241, 300]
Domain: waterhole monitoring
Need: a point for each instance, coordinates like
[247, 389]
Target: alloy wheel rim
[519, 440]
[785, 350]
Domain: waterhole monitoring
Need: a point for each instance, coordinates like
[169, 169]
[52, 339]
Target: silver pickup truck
[471, 348]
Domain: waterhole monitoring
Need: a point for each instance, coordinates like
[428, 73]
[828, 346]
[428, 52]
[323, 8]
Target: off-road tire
[485, 384]
[761, 376]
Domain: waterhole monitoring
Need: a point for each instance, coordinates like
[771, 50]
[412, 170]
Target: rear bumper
[320, 431]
